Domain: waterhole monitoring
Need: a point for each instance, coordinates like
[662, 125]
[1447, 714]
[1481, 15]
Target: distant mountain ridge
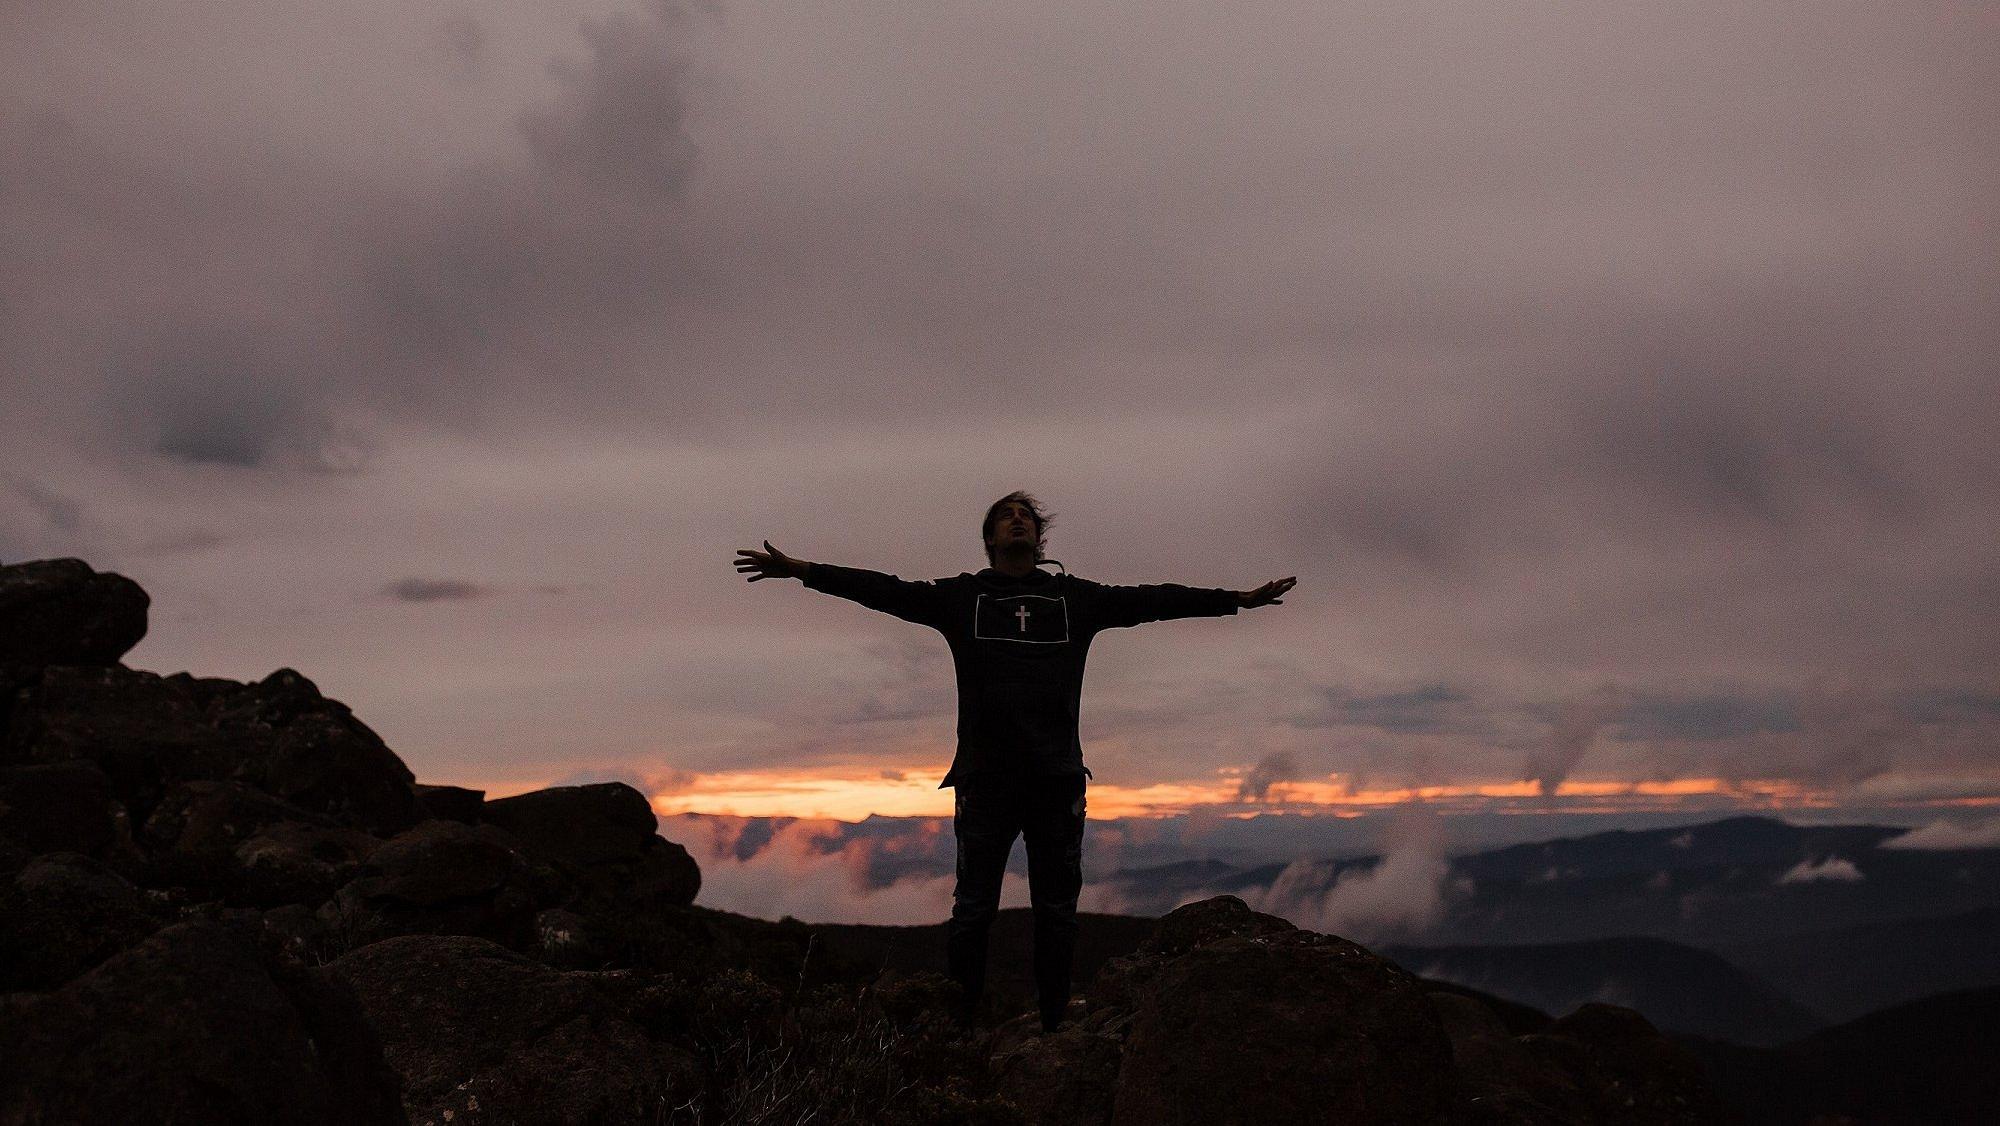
[1930, 1061]
[1713, 885]
[1848, 971]
[1678, 987]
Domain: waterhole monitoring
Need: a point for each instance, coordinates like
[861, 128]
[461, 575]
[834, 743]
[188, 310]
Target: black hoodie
[1018, 646]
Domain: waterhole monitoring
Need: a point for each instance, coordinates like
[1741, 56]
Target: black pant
[1048, 811]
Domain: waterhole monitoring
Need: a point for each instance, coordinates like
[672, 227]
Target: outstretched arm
[1120, 606]
[918, 602]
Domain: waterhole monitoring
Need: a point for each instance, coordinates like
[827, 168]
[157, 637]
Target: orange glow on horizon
[853, 794]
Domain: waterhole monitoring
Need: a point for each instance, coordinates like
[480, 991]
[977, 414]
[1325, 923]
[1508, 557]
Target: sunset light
[848, 794]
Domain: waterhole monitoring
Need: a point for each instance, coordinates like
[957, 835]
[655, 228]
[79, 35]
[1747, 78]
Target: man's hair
[1042, 522]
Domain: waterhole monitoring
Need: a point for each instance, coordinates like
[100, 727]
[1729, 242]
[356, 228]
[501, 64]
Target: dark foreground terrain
[230, 902]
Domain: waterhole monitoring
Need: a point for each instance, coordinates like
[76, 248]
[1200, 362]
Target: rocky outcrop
[607, 836]
[193, 1025]
[149, 733]
[1243, 1028]
[1227, 1015]
[478, 1033]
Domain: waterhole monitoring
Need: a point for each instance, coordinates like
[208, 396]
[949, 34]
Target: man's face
[1013, 525]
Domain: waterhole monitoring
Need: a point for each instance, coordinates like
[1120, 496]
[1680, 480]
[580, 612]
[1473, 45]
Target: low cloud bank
[1400, 896]
[1947, 834]
[807, 871]
[1833, 868]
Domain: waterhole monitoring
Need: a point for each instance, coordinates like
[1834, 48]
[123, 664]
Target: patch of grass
[884, 1054]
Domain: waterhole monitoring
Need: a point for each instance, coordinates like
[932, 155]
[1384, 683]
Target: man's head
[1015, 520]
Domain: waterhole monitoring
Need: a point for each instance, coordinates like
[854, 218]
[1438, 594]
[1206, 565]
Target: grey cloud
[194, 539]
[425, 303]
[1850, 732]
[1575, 726]
[1422, 526]
[903, 680]
[461, 41]
[1949, 706]
[1752, 415]
[54, 510]
[621, 125]
[435, 590]
[1429, 709]
[1950, 833]
[1750, 423]
[594, 775]
[235, 397]
[1275, 767]
[1649, 716]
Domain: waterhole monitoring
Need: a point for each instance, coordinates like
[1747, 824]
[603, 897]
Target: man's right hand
[769, 563]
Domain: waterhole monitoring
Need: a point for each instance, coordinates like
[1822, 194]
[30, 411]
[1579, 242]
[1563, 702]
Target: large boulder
[314, 753]
[481, 1034]
[61, 612]
[607, 835]
[63, 913]
[196, 1024]
[444, 877]
[1241, 1018]
[279, 735]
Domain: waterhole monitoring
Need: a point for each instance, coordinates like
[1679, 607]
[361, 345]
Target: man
[1018, 638]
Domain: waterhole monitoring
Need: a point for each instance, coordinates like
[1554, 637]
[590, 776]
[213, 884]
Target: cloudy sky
[1619, 380]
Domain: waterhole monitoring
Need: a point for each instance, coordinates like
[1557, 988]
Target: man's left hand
[1270, 594]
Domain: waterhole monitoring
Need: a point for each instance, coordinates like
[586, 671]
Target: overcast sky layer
[1619, 380]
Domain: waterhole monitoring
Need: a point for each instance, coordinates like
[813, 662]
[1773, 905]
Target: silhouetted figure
[1018, 638]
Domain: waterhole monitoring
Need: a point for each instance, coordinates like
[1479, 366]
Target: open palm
[767, 564]
[1270, 594]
